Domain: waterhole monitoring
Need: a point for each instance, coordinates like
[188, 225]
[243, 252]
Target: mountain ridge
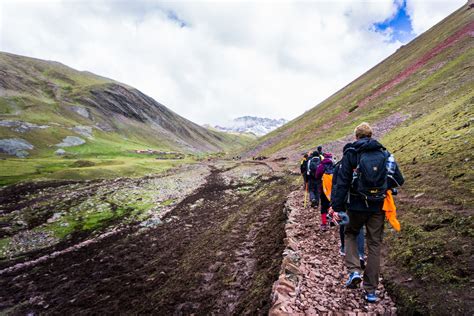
[69, 97]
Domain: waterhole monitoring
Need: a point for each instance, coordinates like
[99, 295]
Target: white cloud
[424, 14]
[272, 59]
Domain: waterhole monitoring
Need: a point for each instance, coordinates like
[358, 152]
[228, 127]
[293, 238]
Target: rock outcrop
[70, 141]
[15, 147]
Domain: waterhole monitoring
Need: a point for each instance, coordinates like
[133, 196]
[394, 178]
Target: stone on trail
[151, 222]
[54, 218]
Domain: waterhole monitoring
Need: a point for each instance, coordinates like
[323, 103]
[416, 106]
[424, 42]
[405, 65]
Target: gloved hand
[330, 211]
[340, 218]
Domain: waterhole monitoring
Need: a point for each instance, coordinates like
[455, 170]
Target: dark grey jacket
[344, 197]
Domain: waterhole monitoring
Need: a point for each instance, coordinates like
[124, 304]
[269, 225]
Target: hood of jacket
[327, 161]
[367, 144]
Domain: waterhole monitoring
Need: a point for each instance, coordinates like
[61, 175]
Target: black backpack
[304, 165]
[313, 165]
[370, 176]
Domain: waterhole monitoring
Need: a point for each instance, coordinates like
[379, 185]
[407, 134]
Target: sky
[212, 61]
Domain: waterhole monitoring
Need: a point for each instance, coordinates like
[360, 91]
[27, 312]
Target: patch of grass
[96, 220]
[13, 170]
[62, 228]
[82, 164]
[167, 202]
[4, 242]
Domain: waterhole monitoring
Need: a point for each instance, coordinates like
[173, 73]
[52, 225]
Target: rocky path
[218, 251]
[313, 275]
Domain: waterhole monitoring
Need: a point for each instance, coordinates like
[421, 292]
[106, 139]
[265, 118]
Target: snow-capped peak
[251, 124]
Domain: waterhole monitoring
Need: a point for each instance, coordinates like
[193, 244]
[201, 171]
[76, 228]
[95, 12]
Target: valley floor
[216, 251]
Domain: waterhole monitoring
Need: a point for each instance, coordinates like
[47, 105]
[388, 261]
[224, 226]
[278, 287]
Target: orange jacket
[327, 185]
[391, 211]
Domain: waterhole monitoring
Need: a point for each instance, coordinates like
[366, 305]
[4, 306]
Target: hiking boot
[354, 280]
[370, 297]
[341, 252]
[362, 263]
[314, 203]
[323, 227]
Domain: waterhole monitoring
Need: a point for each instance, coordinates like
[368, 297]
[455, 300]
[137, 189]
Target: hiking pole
[305, 195]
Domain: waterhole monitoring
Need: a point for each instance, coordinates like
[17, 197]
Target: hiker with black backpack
[324, 175]
[362, 184]
[313, 164]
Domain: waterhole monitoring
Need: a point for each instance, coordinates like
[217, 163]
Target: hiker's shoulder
[349, 148]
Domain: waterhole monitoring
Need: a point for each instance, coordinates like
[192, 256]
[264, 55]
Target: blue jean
[313, 189]
[360, 240]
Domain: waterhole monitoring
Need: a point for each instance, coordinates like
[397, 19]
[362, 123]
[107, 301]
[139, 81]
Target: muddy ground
[217, 251]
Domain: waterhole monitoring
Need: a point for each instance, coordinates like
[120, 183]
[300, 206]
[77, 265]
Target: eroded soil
[217, 251]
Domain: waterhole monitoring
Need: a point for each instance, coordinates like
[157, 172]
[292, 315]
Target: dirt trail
[218, 251]
[313, 273]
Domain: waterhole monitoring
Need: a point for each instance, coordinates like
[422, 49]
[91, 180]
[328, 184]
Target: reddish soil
[218, 251]
[450, 41]
[468, 30]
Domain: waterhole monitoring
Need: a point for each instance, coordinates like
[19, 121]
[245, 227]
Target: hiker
[319, 149]
[324, 175]
[362, 183]
[304, 169]
[360, 236]
[313, 163]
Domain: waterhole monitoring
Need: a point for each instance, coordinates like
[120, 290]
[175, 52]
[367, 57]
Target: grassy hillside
[43, 102]
[421, 100]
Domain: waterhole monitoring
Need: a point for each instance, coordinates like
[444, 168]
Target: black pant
[325, 204]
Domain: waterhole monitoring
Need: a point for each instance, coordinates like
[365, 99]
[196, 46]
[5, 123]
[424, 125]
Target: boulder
[15, 147]
[85, 131]
[70, 141]
[60, 152]
[82, 111]
[20, 126]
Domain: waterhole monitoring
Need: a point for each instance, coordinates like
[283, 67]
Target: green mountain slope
[50, 94]
[46, 106]
[421, 101]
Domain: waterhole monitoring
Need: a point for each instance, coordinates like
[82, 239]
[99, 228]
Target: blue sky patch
[174, 17]
[399, 24]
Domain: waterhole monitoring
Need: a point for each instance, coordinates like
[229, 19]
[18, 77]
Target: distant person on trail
[366, 173]
[313, 164]
[319, 149]
[304, 169]
[324, 175]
